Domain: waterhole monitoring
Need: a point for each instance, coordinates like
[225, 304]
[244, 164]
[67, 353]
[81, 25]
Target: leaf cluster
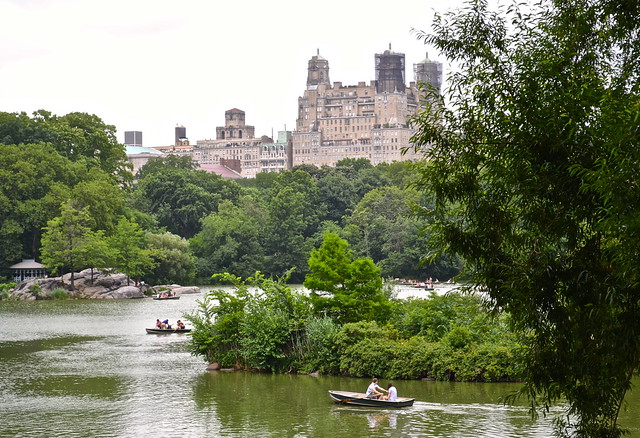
[532, 163]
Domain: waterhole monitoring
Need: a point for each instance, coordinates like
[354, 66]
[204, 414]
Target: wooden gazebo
[27, 269]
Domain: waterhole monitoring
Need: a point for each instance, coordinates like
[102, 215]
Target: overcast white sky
[149, 65]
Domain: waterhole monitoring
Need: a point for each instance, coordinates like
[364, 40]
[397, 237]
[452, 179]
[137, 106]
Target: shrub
[261, 328]
[59, 294]
[458, 338]
[319, 351]
[35, 289]
[5, 288]
[414, 359]
[369, 357]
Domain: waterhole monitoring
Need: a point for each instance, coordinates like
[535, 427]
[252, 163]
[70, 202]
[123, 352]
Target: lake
[88, 369]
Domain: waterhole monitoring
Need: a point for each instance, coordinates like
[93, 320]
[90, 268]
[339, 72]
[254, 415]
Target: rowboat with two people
[164, 328]
[361, 399]
[167, 331]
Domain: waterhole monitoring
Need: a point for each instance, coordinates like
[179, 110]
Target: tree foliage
[257, 326]
[173, 261]
[178, 197]
[79, 137]
[344, 288]
[534, 168]
[132, 255]
[68, 241]
[46, 160]
[231, 240]
[34, 182]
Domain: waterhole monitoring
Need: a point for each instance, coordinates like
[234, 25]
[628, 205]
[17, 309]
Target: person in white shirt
[392, 391]
[373, 391]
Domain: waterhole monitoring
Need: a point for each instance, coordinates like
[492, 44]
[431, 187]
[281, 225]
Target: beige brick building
[235, 143]
[334, 122]
[358, 121]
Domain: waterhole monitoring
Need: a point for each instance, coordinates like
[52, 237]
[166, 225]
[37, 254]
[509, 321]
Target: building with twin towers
[334, 122]
[360, 121]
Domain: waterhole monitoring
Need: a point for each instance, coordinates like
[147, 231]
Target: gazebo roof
[27, 264]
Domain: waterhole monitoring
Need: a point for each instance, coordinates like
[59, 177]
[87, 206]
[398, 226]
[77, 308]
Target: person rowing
[373, 391]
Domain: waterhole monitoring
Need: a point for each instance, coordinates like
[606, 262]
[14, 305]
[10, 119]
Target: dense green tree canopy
[160, 164]
[231, 239]
[343, 287]
[30, 195]
[294, 212]
[46, 160]
[179, 198]
[76, 136]
[132, 255]
[534, 168]
[338, 194]
[173, 261]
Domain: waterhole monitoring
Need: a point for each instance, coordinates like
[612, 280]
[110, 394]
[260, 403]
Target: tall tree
[534, 168]
[34, 181]
[132, 255]
[345, 288]
[295, 210]
[174, 263]
[160, 164]
[231, 239]
[180, 198]
[338, 194]
[67, 240]
[76, 136]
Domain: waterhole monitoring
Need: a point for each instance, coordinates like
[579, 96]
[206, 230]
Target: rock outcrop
[92, 286]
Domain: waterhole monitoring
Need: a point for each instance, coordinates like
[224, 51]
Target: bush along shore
[264, 325]
[88, 284]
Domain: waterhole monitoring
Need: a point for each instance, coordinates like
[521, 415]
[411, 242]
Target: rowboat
[359, 399]
[157, 331]
[171, 297]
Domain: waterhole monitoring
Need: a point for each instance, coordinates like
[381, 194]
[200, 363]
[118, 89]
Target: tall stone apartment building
[360, 121]
[334, 122]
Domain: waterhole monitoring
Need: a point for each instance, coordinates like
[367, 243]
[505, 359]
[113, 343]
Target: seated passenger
[392, 393]
[373, 391]
[180, 325]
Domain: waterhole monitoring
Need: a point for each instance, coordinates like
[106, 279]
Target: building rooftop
[27, 264]
[134, 150]
[221, 170]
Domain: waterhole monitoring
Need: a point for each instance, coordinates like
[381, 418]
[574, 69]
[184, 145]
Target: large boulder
[183, 290]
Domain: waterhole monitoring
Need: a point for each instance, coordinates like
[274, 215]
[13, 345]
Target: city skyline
[150, 66]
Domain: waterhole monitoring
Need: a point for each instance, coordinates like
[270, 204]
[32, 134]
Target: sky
[151, 65]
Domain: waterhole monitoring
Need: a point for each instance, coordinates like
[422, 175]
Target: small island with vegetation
[351, 324]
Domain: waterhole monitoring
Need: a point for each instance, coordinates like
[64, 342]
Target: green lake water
[88, 369]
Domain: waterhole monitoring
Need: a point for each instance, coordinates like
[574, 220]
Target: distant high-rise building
[356, 121]
[429, 72]
[181, 136]
[133, 138]
[334, 122]
[390, 72]
[318, 71]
